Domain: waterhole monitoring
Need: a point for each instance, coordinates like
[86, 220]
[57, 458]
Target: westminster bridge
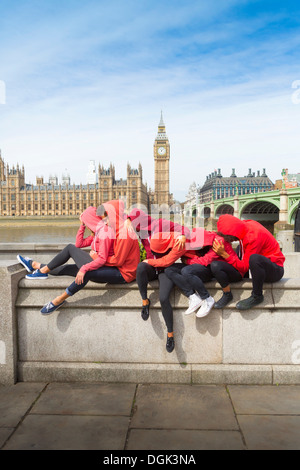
[276, 209]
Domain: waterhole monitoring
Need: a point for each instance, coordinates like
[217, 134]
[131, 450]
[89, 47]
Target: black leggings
[224, 273]
[263, 270]
[105, 274]
[146, 273]
[190, 278]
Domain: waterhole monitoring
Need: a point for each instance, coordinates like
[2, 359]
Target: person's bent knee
[141, 267]
[169, 272]
[186, 271]
[214, 266]
[255, 259]
[70, 247]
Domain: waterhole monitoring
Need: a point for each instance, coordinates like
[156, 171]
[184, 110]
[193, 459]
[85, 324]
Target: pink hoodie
[101, 242]
[126, 246]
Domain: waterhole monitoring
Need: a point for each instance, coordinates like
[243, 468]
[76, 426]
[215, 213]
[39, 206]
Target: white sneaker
[195, 302]
[206, 307]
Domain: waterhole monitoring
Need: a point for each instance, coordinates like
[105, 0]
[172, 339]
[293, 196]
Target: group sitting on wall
[174, 255]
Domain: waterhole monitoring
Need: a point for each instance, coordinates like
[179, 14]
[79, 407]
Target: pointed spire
[161, 135]
[161, 123]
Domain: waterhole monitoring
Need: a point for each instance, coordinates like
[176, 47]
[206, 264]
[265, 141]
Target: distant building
[17, 198]
[288, 180]
[161, 167]
[218, 187]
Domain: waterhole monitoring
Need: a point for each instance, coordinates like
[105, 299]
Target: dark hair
[228, 238]
[101, 212]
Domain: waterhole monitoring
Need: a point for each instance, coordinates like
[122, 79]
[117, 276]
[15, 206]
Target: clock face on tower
[161, 151]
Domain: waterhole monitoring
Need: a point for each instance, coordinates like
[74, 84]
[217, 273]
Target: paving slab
[86, 399]
[61, 432]
[4, 435]
[16, 400]
[271, 432]
[161, 439]
[183, 407]
[135, 416]
[267, 399]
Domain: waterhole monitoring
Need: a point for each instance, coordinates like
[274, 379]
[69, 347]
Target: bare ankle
[44, 269]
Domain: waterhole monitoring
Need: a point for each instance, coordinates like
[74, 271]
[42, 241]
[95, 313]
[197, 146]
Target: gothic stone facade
[52, 199]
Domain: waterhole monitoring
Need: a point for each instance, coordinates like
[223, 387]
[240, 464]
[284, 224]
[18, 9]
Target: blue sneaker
[26, 262]
[50, 308]
[36, 275]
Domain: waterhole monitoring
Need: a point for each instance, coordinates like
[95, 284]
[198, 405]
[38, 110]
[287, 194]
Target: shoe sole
[187, 312]
[204, 314]
[221, 306]
[54, 310]
[23, 264]
[36, 278]
[240, 306]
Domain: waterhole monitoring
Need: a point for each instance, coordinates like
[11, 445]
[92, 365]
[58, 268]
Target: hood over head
[140, 220]
[90, 218]
[115, 212]
[230, 225]
[162, 242]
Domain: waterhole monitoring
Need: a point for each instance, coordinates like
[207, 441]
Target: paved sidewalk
[114, 416]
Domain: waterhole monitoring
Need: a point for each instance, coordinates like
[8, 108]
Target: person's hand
[180, 242]
[219, 249]
[128, 225]
[79, 278]
[82, 223]
[145, 261]
[93, 253]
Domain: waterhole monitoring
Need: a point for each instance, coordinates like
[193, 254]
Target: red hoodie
[254, 238]
[201, 238]
[147, 226]
[164, 242]
[126, 246]
[101, 242]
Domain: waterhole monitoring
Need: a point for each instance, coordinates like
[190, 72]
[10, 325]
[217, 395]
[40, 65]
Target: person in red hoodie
[196, 270]
[166, 249]
[88, 266]
[260, 253]
[145, 226]
[126, 256]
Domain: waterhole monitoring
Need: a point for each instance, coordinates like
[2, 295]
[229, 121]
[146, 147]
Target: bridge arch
[292, 212]
[264, 212]
[224, 209]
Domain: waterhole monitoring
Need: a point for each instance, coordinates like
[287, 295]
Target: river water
[38, 234]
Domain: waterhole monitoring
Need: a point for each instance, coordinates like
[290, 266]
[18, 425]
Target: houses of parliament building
[52, 199]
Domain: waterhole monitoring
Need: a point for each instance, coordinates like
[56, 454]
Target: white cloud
[91, 85]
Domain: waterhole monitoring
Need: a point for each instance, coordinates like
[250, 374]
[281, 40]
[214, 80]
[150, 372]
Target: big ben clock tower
[161, 165]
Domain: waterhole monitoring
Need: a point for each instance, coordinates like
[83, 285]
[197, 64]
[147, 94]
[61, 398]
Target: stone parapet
[10, 274]
[45, 252]
[99, 335]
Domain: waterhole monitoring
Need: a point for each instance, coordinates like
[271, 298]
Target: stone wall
[99, 335]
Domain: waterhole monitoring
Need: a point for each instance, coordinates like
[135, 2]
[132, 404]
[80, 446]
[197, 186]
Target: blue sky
[88, 80]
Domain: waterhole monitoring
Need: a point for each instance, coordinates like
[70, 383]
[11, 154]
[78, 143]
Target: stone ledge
[215, 374]
[283, 294]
